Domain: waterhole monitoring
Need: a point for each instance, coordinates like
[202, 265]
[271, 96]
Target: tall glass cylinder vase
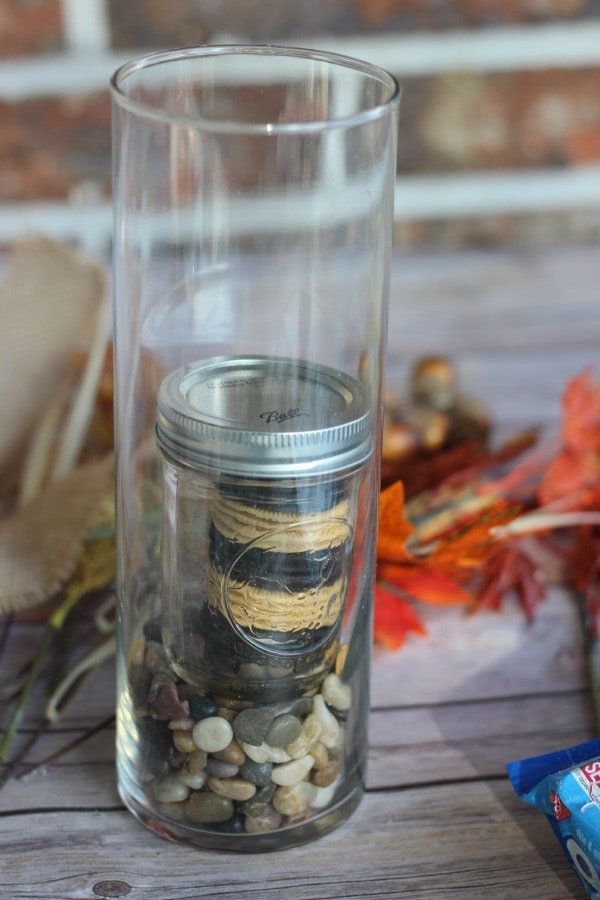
[253, 195]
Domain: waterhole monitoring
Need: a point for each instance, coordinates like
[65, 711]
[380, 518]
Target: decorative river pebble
[233, 766]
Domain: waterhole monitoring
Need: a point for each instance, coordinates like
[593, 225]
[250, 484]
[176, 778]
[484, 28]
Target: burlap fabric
[50, 299]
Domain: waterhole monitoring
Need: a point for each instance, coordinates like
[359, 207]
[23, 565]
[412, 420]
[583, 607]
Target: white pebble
[290, 801]
[337, 747]
[330, 727]
[194, 780]
[324, 795]
[336, 693]
[292, 772]
[171, 789]
[311, 731]
[265, 753]
[212, 734]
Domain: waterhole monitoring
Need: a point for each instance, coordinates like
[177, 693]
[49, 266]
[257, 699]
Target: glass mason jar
[253, 195]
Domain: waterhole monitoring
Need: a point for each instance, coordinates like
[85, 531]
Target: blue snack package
[565, 785]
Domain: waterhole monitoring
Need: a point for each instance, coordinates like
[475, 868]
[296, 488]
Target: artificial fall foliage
[473, 536]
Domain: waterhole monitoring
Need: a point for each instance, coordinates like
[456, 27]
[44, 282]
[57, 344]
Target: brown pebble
[326, 774]
[184, 741]
[267, 821]
[290, 801]
[232, 788]
[320, 754]
[232, 753]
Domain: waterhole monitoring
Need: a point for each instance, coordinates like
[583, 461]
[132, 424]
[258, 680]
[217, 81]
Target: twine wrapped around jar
[255, 608]
[272, 571]
[272, 530]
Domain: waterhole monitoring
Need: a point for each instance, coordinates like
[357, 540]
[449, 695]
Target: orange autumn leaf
[424, 583]
[465, 550]
[394, 619]
[394, 530]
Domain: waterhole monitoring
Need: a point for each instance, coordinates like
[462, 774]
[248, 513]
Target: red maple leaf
[509, 569]
[572, 478]
[394, 618]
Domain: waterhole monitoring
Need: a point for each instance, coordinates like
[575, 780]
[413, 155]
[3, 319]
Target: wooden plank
[472, 740]
[495, 301]
[67, 788]
[518, 325]
[483, 656]
[441, 841]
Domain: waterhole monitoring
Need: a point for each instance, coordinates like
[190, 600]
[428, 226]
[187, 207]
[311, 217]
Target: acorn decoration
[437, 417]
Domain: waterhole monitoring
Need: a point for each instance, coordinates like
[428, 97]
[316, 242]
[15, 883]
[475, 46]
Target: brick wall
[509, 87]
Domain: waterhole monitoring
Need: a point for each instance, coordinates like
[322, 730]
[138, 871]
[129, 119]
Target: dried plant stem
[54, 625]
[36, 464]
[19, 709]
[75, 430]
[540, 520]
[103, 621]
[55, 705]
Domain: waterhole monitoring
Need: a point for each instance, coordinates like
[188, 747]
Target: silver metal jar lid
[263, 416]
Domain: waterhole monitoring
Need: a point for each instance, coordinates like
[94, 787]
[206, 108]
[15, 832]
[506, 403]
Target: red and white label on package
[588, 777]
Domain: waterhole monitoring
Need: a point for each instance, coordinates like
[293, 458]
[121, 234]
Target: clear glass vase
[253, 194]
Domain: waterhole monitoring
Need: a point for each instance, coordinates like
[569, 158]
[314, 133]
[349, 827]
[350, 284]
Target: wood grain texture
[460, 840]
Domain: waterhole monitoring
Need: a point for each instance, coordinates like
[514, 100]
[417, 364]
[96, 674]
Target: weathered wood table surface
[439, 818]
